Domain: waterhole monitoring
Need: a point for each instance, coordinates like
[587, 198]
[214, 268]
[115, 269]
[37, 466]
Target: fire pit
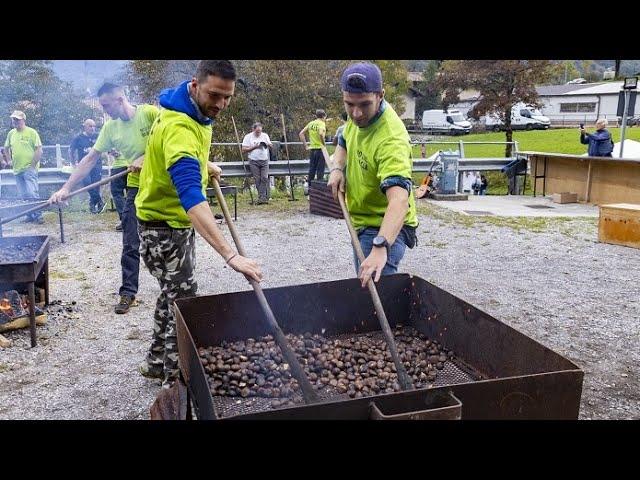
[24, 261]
[488, 370]
[9, 208]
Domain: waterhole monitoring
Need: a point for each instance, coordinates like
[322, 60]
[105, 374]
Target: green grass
[561, 140]
[565, 140]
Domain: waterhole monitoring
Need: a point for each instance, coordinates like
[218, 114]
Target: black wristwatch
[380, 242]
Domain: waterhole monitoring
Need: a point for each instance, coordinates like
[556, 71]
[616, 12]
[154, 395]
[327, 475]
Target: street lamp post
[630, 83]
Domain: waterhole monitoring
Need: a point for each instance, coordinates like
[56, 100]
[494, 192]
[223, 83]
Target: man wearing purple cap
[373, 160]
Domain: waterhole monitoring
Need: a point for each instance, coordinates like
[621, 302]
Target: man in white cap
[23, 150]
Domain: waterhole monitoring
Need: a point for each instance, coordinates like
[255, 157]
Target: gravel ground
[550, 280]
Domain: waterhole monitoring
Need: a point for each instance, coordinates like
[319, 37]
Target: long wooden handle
[46, 204]
[246, 177]
[286, 147]
[403, 377]
[309, 394]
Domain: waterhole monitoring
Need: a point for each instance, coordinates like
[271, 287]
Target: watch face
[379, 241]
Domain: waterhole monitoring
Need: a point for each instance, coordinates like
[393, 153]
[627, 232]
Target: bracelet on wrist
[230, 258]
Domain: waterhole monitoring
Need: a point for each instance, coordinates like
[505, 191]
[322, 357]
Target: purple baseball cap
[361, 78]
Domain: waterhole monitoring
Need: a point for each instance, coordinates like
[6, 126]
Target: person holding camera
[600, 142]
[257, 144]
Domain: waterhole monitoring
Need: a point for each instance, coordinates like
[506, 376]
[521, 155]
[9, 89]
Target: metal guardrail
[280, 168]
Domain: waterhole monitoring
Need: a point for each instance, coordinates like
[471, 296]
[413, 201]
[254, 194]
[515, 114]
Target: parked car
[449, 121]
[523, 117]
[631, 121]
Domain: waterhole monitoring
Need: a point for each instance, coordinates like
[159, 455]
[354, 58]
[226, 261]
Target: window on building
[577, 107]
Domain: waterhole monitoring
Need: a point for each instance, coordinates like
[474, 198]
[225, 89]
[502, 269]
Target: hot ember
[12, 306]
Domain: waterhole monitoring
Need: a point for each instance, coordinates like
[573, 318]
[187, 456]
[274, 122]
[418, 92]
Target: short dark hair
[219, 68]
[108, 88]
[320, 113]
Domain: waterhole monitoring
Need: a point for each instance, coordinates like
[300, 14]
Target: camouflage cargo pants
[170, 256]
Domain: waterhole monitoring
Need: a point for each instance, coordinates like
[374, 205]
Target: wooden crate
[619, 224]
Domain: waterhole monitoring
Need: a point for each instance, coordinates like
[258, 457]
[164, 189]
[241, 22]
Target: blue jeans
[118, 187]
[130, 260]
[27, 184]
[95, 175]
[396, 252]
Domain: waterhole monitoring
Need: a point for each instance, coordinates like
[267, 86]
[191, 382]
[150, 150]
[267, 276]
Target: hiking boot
[151, 371]
[101, 207]
[125, 302]
[119, 227]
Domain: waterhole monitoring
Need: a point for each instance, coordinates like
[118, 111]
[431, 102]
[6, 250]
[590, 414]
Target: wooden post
[587, 190]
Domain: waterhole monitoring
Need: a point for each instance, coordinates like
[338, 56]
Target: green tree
[501, 84]
[588, 70]
[395, 83]
[51, 105]
[431, 93]
[567, 71]
[268, 88]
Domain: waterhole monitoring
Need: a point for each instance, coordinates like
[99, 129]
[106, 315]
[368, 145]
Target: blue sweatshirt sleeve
[584, 138]
[396, 181]
[186, 177]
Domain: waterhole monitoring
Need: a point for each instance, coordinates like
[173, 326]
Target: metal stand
[61, 224]
[32, 313]
[226, 190]
[543, 177]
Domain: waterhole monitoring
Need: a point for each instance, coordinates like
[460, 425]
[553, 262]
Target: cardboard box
[565, 197]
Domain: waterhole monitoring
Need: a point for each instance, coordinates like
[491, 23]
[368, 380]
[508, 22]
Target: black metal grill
[12, 207]
[497, 373]
[30, 268]
[321, 201]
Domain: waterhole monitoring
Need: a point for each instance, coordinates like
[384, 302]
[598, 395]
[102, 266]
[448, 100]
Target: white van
[523, 117]
[450, 121]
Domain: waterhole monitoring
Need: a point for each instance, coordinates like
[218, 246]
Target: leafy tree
[588, 70]
[501, 84]
[51, 105]
[567, 71]
[268, 88]
[431, 93]
[395, 82]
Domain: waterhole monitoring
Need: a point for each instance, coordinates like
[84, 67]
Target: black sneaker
[125, 302]
[119, 227]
